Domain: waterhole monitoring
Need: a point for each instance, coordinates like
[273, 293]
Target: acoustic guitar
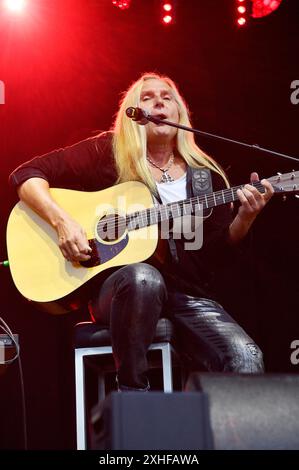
[121, 223]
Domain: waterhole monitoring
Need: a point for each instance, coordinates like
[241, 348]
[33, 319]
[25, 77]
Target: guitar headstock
[284, 183]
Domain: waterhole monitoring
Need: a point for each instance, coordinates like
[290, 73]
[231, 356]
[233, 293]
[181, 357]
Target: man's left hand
[252, 201]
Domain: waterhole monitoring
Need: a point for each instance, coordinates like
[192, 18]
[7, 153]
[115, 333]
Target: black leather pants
[132, 300]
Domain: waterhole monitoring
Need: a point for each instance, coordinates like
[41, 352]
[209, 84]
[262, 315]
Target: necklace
[165, 178]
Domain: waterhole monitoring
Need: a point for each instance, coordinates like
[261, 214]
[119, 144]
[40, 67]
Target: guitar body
[39, 270]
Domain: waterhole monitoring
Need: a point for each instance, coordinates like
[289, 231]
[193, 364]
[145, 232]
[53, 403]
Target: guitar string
[157, 210]
[208, 198]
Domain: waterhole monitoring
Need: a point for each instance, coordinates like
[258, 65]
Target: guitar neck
[172, 210]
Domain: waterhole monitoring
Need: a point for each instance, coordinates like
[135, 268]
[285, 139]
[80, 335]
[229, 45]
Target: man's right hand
[72, 241]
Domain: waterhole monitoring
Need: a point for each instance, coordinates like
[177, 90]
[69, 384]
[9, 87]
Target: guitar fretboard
[163, 212]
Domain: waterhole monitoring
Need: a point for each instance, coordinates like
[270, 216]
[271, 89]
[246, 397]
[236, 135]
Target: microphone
[143, 117]
[138, 115]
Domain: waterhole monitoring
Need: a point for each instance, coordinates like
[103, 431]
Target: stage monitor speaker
[252, 412]
[154, 421]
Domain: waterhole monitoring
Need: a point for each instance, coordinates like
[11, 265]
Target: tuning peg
[279, 175]
[284, 198]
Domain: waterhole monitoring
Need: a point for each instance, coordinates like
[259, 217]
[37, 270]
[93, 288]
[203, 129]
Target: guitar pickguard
[103, 252]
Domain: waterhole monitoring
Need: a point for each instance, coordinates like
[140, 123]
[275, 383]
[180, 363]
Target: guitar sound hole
[111, 227]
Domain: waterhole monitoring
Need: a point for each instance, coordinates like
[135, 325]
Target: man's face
[157, 98]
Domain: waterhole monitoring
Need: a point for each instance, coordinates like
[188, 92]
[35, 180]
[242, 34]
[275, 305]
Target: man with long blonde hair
[134, 296]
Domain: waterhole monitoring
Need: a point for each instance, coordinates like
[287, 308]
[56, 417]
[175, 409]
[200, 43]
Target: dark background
[65, 64]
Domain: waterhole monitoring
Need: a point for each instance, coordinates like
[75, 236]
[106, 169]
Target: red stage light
[16, 6]
[167, 11]
[167, 6]
[167, 19]
[262, 8]
[241, 12]
[121, 4]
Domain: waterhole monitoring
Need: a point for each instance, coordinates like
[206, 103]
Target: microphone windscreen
[130, 112]
[137, 114]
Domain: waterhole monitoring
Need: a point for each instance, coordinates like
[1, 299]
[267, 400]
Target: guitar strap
[199, 182]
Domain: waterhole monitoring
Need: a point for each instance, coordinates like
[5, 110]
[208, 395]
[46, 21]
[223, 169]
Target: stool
[94, 340]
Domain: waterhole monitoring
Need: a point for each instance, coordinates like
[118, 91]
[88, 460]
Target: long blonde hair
[130, 143]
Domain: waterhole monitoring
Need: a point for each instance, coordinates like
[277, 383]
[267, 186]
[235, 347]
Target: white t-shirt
[174, 191]
[188, 224]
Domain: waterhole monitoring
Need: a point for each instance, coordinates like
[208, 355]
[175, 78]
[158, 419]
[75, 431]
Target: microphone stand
[218, 137]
